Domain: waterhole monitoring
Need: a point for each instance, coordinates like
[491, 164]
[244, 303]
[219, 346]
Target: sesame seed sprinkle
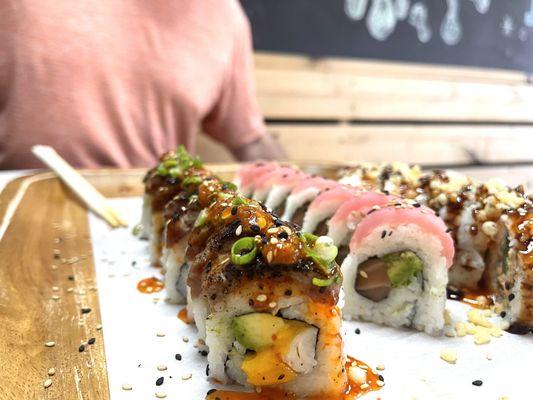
[238, 231]
[126, 386]
[50, 344]
[47, 383]
[261, 297]
[51, 372]
[272, 305]
[160, 395]
[186, 377]
[160, 334]
[161, 367]
[185, 339]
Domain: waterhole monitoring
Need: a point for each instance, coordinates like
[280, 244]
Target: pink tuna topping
[360, 203]
[333, 197]
[315, 182]
[391, 217]
[248, 173]
[279, 175]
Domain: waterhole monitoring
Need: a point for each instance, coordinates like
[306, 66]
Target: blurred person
[117, 83]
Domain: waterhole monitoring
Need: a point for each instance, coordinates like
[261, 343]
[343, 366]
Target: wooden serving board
[46, 277]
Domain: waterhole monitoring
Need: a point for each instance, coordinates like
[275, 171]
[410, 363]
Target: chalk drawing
[482, 6]
[355, 9]
[418, 17]
[381, 19]
[450, 29]
[507, 25]
[528, 16]
[401, 9]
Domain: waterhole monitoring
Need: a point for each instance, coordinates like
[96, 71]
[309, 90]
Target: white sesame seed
[160, 334]
[161, 367]
[363, 274]
[50, 344]
[238, 231]
[272, 230]
[99, 327]
[160, 395]
[70, 290]
[489, 356]
[55, 288]
[54, 267]
[380, 383]
[51, 371]
[47, 383]
[273, 304]
[269, 256]
[380, 367]
[365, 386]
[274, 240]
[185, 339]
[126, 386]
[261, 297]
[186, 377]
[55, 297]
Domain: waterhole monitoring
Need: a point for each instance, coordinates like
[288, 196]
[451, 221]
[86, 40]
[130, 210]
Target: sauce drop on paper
[182, 315]
[150, 285]
[354, 390]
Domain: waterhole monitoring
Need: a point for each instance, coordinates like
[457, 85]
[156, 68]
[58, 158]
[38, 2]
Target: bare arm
[264, 148]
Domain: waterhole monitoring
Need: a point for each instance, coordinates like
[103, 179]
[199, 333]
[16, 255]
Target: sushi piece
[180, 215]
[269, 295]
[281, 189]
[513, 277]
[265, 182]
[247, 175]
[396, 272]
[162, 183]
[324, 206]
[301, 196]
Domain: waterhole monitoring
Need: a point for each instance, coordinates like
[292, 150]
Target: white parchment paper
[414, 370]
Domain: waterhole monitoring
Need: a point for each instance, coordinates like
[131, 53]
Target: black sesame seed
[81, 349]
[288, 292]
[234, 210]
[264, 240]
[507, 285]
[178, 357]
[250, 302]
[281, 377]
[383, 234]
[449, 230]
[91, 340]
[207, 370]
[390, 233]
[203, 353]
[255, 228]
[85, 310]
[416, 205]
[213, 296]
[357, 331]
[381, 378]
[71, 277]
[211, 391]
[503, 314]
[511, 297]
[477, 382]
[283, 235]
[160, 381]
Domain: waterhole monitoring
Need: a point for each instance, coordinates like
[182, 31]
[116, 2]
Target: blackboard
[480, 33]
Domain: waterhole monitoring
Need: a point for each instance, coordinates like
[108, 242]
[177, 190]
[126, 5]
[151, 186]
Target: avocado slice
[254, 331]
[402, 266]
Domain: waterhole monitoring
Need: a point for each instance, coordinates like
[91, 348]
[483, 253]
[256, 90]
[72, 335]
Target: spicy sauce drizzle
[354, 390]
[150, 285]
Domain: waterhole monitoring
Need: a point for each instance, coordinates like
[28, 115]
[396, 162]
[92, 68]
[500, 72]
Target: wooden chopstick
[92, 198]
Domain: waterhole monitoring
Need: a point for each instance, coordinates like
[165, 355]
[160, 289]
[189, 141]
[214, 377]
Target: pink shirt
[118, 82]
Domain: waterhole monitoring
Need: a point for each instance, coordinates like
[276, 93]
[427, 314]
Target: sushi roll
[396, 272]
[161, 184]
[269, 295]
[248, 174]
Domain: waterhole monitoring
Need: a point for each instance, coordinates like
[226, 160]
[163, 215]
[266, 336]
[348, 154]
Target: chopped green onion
[192, 180]
[229, 185]
[170, 163]
[197, 163]
[237, 201]
[243, 251]
[175, 172]
[325, 282]
[222, 195]
[321, 250]
[201, 218]
[161, 170]
[136, 231]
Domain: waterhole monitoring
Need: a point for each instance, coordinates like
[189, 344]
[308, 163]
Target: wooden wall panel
[426, 144]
